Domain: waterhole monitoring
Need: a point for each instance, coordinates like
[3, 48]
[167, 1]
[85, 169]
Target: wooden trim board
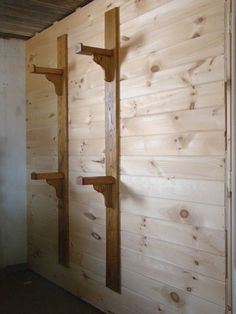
[112, 144]
[62, 142]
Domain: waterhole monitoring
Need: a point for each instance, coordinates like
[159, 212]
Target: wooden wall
[172, 157]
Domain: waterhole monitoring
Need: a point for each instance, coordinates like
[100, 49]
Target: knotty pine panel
[172, 157]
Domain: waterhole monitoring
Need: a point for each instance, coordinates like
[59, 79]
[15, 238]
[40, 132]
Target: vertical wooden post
[63, 214]
[109, 59]
[59, 180]
[112, 143]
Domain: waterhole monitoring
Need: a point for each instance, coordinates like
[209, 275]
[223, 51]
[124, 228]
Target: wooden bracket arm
[103, 57]
[53, 75]
[90, 51]
[54, 179]
[102, 185]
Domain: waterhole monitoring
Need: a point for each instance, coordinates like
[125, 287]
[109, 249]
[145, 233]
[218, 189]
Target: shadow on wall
[12, 153]
[3, 213]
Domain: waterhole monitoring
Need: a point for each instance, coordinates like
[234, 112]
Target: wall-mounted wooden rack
[109, 60]
[59, 180]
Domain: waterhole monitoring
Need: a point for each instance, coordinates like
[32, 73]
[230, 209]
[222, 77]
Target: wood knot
[155, 68]
[96, 236]
[125, 38]
[199, 20]
[85, 276]
[144, 220]
[90, 216]
[175, 297]
[196, 35]
[192, 105]
[144, 241]
[184, 213]
[101, 161]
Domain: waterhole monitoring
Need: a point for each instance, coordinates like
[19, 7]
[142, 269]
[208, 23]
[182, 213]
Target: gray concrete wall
[12, 153]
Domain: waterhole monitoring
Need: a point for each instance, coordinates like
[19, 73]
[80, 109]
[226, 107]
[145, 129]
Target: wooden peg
[47, 175]
[95, 180]
[89, 51]
[53, 75]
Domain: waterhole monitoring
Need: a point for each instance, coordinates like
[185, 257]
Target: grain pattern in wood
[200, 191]
[202, 215]
[112, 144]
[172, 60]
[62, 146]
[210, 143]
[199, 96]
[208, 168]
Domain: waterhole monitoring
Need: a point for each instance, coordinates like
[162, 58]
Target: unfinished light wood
[108, 185]
[112, 142]
[62, 147]
[173, 59]
[59, 180]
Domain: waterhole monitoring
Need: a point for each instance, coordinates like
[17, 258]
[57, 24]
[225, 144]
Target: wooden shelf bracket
[102, 185]
[109, 59]
[54, 179]
[103, 57]
[59, 180]
[53, 75]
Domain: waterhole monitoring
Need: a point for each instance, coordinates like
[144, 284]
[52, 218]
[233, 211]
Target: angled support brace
[102, 185]
[52, 74]
[109, 60]
[103, 57]
[54, 179]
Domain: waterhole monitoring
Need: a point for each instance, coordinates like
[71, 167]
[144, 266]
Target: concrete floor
[27, 293]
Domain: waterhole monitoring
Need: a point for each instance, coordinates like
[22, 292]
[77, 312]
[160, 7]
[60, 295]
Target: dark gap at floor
[25, 292]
